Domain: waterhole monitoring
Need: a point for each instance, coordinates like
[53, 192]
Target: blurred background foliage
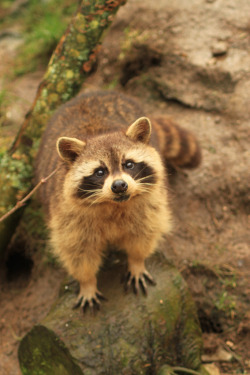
[33, 28]
[41, 24]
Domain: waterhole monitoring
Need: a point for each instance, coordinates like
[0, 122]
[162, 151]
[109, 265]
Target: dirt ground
[188, 60]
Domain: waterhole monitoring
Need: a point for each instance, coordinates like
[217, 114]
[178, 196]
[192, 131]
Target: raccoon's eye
[129, 164]
[100, 172]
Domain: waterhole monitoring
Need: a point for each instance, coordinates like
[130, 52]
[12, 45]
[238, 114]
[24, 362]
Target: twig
[15, 336]
[235, 356]
[22, 202]
[217, 224]
[186, 370]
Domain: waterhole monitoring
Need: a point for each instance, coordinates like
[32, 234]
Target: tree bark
[69, 66]
[130, 335]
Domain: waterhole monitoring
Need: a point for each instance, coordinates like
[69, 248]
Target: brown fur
[85, 212]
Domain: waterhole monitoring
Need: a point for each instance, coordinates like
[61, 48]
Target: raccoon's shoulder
[92, 114]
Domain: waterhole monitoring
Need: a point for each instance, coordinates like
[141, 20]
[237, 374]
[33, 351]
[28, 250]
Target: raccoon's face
[114, 167]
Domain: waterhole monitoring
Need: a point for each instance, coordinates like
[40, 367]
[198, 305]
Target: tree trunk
[69, 66]
[130, 335]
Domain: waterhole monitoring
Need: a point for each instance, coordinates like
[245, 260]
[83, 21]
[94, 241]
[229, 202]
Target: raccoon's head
[111, 167]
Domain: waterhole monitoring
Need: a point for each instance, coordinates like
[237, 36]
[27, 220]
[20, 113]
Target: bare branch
[21, 203]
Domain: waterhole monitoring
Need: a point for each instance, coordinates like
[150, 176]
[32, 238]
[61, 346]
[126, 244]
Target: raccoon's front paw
[91, 301]
[139, 281]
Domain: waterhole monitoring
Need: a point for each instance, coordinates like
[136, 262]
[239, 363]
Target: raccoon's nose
[119, 186]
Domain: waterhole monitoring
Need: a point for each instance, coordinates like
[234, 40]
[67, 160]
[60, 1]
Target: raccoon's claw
[149, 278]
[93, 303]
[139, 282]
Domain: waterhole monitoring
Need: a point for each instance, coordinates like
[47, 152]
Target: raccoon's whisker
[86, 190]
[146, 186]
[91, 185]
[140, 172]
[91, 202]
[146, 183]
[99, 198]
[93, 192]
[91, 196]
[141, 180]
[145, 177]
[144, 190]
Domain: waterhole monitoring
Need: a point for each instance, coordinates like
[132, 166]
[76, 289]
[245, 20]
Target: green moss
[16, 173]
[80, 22]
[41, 37]
[7, 126]
[81, 38]
[3, 94]
[53, 98]
[112, 84]
[226, 303]
[47, 355]
[125, 351]
[190, 333]
[166, 370]
[32, 229]
[170, 306]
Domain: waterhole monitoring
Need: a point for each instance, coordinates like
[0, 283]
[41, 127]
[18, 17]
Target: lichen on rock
[131, 334]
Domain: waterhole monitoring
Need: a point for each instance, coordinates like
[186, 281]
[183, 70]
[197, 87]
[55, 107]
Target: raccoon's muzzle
[119, 186]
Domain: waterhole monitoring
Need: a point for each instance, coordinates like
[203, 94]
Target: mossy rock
[130, 335]
[45, 354]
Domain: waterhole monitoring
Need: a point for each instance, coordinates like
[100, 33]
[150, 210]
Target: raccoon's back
[82, 117]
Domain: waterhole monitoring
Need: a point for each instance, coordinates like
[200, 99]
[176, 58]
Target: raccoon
[110, 188]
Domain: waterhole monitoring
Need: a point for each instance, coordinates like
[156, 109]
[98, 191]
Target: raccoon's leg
[137, 275]
[84, 270]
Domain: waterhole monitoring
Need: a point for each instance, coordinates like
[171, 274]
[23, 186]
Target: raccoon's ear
[69, 148]
[140, 130]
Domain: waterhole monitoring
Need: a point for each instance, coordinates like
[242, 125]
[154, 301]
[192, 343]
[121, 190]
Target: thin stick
[183, 369]
[217, 224]
[22, 202]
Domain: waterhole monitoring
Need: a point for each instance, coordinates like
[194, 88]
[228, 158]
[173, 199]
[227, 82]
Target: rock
[219, 48]
[221, 355]
[191, 85]
[212, 369]
[45, 353]
[168, 370]
[130, 335]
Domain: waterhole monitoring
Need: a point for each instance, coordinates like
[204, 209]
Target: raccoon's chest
[122, 222]
[116, 222]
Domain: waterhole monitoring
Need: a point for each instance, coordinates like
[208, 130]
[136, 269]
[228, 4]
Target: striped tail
[178, 146]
